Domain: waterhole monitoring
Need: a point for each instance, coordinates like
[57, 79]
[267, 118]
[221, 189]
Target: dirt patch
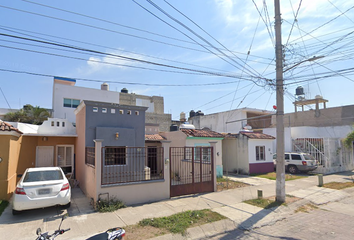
[288, 199]
[136, 232]
[306, 208]
[339, 185]
[226, 185]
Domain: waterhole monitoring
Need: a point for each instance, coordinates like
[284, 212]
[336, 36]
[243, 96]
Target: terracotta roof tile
[154, 137]
[7, 127]
[256, 135]
[201, 133]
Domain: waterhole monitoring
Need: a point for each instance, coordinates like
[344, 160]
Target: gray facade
[155, 108]
[117, 125]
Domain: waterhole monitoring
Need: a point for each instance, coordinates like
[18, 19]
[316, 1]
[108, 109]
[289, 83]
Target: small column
[166, 157]
[213, 145]
[98, 166]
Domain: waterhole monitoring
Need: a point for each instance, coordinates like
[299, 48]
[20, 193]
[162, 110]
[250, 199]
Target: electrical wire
[244, 62]
[107, 81]
[114, 55]
[206, 48]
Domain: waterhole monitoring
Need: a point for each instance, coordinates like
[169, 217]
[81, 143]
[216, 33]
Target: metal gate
[191, 170]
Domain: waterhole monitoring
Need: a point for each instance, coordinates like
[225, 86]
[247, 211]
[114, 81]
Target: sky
[208, 55]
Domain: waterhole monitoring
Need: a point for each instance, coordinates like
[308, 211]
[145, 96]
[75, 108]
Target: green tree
[348, 141]
[36, 115]
[29, 114]
[19, 116]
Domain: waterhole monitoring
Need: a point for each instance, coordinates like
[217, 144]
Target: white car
[41, 187]
[295, 162]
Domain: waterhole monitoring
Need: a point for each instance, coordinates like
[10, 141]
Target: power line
[265, 23]
[122, 50]
[115, 55]
[244, 62]
[184, 33]
[295, 20]
[107, 81]
[5, 98]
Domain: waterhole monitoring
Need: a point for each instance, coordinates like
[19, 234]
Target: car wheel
[66, 206]
[15, 212]
[292, 169]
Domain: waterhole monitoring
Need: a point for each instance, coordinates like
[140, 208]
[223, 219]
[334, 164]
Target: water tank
[318, 97]
[187, 126]
[191, 114]
[124, 90]
[199, 113]
[182, 117]
[299, 91]
[173, 128]
[105, 86]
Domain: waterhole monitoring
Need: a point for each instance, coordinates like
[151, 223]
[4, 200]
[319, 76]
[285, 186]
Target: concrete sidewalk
[85, 223]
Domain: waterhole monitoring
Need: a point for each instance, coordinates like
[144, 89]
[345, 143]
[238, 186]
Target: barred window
[260, 153]
[115, 156]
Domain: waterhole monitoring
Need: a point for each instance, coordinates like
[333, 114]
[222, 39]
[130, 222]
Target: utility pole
[280, 172]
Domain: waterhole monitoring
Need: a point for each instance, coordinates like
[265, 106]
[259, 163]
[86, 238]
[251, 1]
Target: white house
[231, 121]
[67, 96]
[248, 153]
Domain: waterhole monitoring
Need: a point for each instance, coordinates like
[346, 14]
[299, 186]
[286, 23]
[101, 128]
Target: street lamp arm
[307, 60]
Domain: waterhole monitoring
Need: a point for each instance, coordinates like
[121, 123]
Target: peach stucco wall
[9, 145]
[83, 172]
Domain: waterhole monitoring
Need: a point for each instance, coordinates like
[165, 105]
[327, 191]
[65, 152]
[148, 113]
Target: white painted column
[98, 166]
[166, 157]
[213, 145]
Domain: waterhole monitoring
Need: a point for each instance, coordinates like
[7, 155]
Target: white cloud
[97, 64]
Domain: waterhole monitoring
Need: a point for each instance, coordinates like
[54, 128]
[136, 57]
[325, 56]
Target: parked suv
[295, 162]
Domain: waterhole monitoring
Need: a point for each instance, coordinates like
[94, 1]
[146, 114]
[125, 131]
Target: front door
[44, 156]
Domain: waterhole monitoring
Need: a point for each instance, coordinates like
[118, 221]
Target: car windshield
[38, 176]
[308, 157]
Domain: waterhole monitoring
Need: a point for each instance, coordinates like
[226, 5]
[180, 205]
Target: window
[115, 156]
[202, 153]
[260, 153]
[104, 110]
[137, 113]
[296, 157]
[65, 156]
[121, 111]
[58, 124]
[113, 111]
[52, 124]
[71, 103]
[95, 109]
[129, 112]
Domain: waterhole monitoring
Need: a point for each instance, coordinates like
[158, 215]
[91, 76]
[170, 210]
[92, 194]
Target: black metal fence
[131, 164]
[90, 156]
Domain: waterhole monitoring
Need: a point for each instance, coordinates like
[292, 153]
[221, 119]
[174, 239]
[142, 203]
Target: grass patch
[3, 205]
[264, 203]
[226, 183]
[306, 208]
[177, 223]
[109, 206]
[273, 176]
[270, 202]
[338, 185]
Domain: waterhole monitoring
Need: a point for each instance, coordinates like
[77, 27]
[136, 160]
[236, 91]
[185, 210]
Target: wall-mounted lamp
[117, 135]
[44, 139]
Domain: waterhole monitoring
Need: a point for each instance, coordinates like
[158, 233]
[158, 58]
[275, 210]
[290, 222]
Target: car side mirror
[39, 231]
[19, 175]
